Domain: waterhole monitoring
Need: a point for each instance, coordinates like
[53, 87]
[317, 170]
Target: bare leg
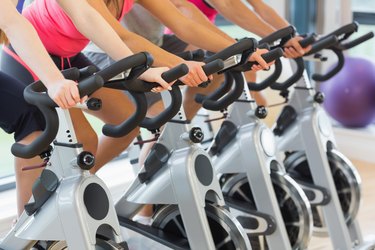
[116, 108]
[26, 179]
[257, 95]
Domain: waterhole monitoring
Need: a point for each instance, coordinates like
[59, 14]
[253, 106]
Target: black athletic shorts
[16, 115]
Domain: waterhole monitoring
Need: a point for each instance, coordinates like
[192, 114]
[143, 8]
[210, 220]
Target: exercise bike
[179, 179]
[329, 179]
[269, 204]
[70, 207]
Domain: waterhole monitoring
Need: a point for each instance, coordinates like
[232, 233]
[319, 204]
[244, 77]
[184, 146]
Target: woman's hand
[292, 49]
[257, 57]
[196, 74]
[65, 93]
[154, 75]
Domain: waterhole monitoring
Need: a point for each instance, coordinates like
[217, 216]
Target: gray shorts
[171, 43]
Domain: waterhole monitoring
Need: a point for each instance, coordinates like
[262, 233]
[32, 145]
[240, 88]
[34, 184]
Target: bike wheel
[345, 176]
[294, 207]
[227, 233]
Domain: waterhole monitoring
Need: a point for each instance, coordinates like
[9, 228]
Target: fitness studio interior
[311, 147]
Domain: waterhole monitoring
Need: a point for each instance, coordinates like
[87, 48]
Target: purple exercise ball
[350, 95]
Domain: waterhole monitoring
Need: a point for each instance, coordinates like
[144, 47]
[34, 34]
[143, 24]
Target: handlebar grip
[344, 30]
[175, 73]
[213, 67]
[71, 74]
[244, 45]
[198, 55]
[323, 43]
[334, 70]
[358, 41]
[186, 55]
[87, 71]
[47, 107]
[287, 32]
[268, 57]
[308, 40]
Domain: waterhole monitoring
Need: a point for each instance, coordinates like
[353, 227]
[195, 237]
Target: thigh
[16, 115]
[116, 107]
[12, 65]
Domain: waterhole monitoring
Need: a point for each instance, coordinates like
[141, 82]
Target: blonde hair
[3, 38]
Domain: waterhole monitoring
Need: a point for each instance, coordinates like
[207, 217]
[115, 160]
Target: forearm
[161, 57]
[268, 14]
[240, 14]
[191, 11]
[185, 28]
[30, 49]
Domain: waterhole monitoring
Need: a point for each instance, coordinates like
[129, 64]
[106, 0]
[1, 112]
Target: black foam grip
[268, 57]
[198, 55]
[168, 113]
[357, 41]
[334, 70]
[346, 29]
[246, 44]
[229, 98]
[269, 80]
[213, 67]
[71, 74]
[175, 73]
[322, 43]
[132, 122]
[279, 34]
[308, 40]
[87, 71]
[292, 79]
[186, 55]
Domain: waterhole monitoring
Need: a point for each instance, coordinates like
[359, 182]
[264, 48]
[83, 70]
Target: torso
[56, 30]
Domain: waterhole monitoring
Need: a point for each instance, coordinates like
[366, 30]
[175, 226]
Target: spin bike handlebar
[338, 48]
[321, 44]
[216, 100]
[283, 35]
[175, 93]
[239, 52]
[36, 94]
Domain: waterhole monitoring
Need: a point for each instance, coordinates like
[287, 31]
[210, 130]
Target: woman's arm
[268, 14]
[191, 11]
[237, 12]
[136, 43]
[26, 43]
[187, 29]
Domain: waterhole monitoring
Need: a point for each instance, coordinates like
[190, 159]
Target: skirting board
[356, 144]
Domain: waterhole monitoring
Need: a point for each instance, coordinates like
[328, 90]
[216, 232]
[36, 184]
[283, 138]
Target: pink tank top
[56, 30]
[210, 12]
